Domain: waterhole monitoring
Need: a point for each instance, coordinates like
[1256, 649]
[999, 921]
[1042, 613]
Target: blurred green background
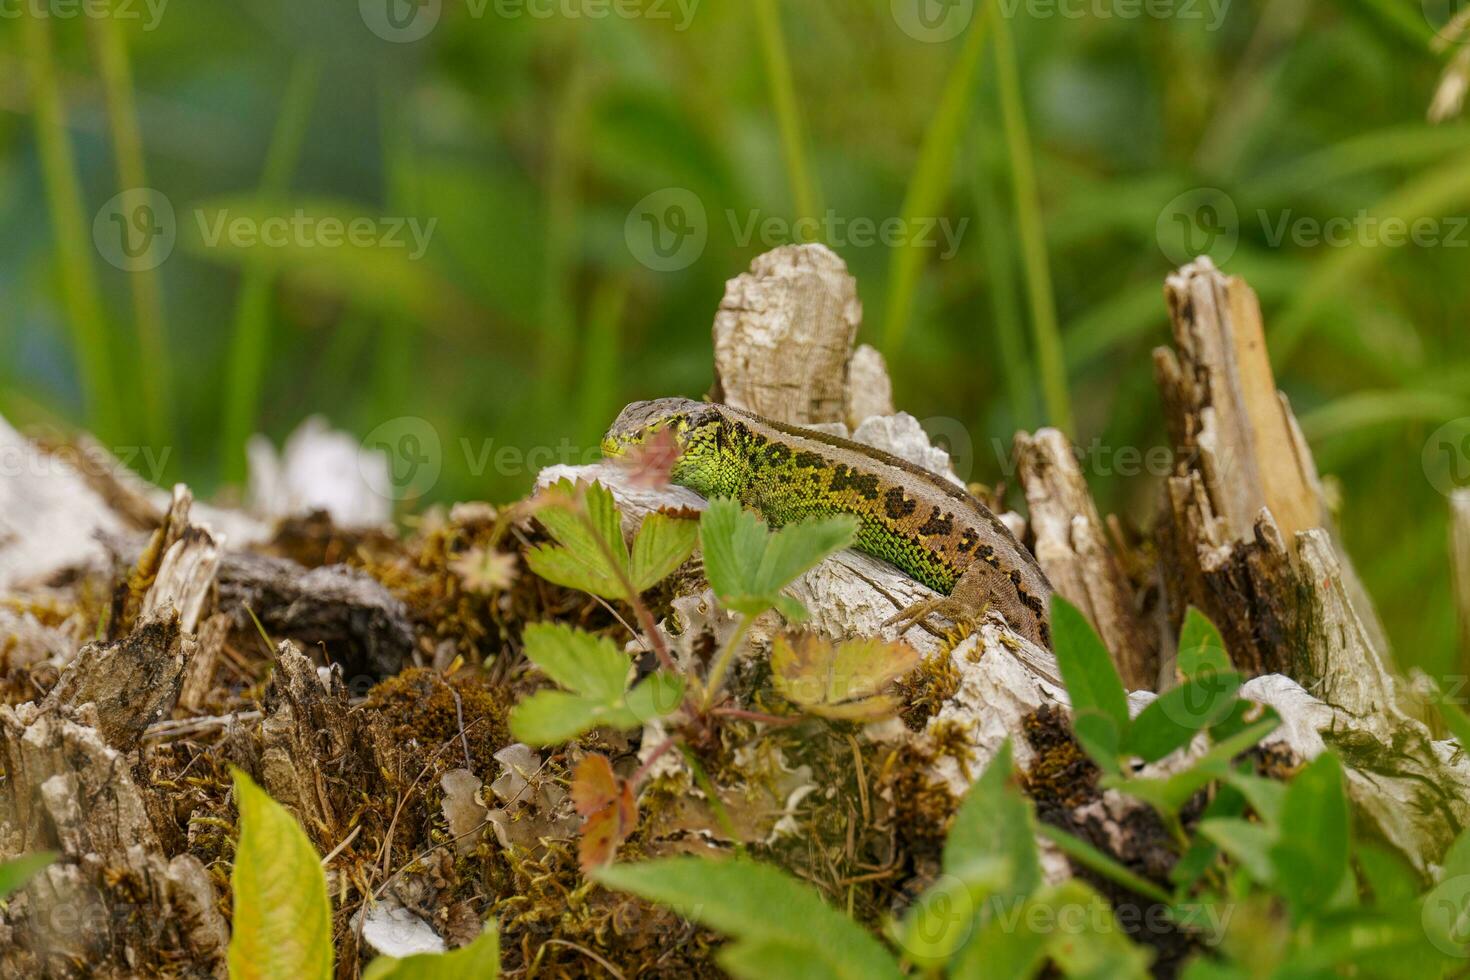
[1056, 138]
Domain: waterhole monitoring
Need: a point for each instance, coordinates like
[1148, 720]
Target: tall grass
[70, 229]
[250, 337]
[804, 194]
[931, 179]
[1046, 335]
[153, 360]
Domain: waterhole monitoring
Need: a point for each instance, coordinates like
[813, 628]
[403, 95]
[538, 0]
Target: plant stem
[1033, 236]
[645, 618]
[64, 199]
[643, 770]
[722, 662]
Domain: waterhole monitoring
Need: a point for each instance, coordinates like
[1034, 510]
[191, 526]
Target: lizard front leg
[979, 588]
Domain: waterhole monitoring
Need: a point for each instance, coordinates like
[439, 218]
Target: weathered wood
[1073, 550]
[335, 604]
[112, 899]
[783, 336]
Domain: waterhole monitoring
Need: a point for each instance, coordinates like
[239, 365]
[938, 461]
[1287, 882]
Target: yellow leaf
[843, 682]
[283, 920]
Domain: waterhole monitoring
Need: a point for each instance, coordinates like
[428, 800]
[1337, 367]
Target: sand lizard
[917, 520]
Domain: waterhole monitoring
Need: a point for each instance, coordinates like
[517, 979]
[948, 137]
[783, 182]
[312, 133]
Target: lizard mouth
[611, 448]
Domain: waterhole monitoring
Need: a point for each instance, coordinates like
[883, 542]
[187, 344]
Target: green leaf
[1247, 842]
[480, 959]
[1168, 795]
[1069, 924]
[17, 871]
[990, 864]
[1201, 648]
[776, 959]
[1099, 703]
[663, 544]
[574, 570]
[590, 553]
[657, 695]
[748, 566]
[1171, 720]
[1091, 944]
[995, 821]
[550, 717]
[943, 918]
[1311, 854]
[1104, 864]
[589, 665]
[282, 925]
[757, 903]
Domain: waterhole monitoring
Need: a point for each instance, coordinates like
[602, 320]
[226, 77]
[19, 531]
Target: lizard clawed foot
[918, 613]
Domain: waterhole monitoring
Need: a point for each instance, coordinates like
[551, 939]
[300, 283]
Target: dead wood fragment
[783, 336]
[198, 680]
[112, 899]
[1244, 497]
[306, 728]
[132, 682]
[1073, 549]
[365, 627]
[185, 576]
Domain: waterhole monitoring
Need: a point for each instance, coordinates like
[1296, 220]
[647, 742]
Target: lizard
[920, 522]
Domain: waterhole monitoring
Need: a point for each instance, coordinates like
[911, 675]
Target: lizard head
[691, 423]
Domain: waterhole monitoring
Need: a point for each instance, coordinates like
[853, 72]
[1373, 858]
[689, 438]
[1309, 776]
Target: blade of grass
[930, 181]
[250, 339]
[1369, 408]
[64, 200]
[788, 111]
[148, 322]
[1048, 340]
[1429, 194]
[394, 365]
[1000, 275]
